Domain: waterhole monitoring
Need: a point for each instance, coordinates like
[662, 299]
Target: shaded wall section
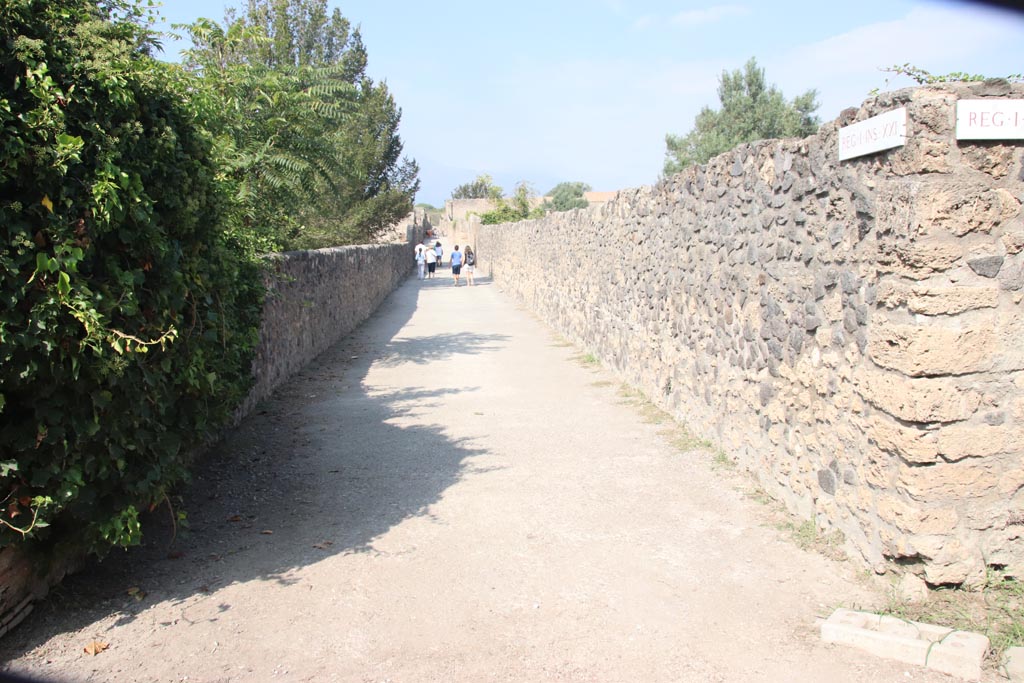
[851, 332]
[314, 298]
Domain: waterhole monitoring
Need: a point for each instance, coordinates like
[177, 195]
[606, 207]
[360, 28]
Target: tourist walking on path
[456, 264]
[431, 259]
[439, 252]
[470, 265]
[421, 261]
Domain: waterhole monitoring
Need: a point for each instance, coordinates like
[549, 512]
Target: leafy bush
[128, 320]
[567, 196]
[516, 208]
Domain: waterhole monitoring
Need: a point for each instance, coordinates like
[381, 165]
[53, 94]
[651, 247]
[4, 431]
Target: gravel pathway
[450, 494]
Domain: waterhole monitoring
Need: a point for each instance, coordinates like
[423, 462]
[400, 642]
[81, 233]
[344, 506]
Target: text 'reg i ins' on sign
[990, 119]
[884, 131]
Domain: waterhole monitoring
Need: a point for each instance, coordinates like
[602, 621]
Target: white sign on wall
[884, 131]
[990, 119]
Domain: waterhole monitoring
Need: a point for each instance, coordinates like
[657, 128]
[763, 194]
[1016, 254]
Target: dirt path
[452, 497]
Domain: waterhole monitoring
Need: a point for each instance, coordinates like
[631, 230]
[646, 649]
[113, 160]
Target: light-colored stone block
[951, 300]
[935, 300]
[970, 478]
[910, 444]
[918, 260]
[924, 399]
[915, 519]
[1013, 664]
[957, 653]
[919, 350]
[959, 441]
[948, 207]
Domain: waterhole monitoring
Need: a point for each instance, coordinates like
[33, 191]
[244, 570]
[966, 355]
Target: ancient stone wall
[851, 332]
[460, 214]
[314, 298]
[405, 230]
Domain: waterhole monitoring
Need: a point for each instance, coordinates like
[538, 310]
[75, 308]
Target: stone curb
[1013, 664]
[957, 653]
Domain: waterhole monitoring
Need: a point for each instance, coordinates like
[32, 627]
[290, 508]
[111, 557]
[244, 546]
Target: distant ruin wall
[851, 332]
[460, 215]
[460, 218]
[404, 230]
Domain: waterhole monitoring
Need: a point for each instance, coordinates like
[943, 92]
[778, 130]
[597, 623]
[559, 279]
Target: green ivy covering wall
[127, 319]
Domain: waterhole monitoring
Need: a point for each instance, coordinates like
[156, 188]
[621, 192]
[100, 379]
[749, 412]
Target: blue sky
[585, 90]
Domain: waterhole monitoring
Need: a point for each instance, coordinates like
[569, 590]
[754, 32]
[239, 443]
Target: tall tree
[751, 110]
[312, 142]
[482, 187]
[566, 196]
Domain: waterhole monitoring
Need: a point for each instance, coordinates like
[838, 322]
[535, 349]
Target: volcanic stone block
[986, 266]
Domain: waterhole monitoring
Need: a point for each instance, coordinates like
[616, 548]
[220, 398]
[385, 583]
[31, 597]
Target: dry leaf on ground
[96, 647]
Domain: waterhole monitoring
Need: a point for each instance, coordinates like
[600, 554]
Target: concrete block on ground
[1013, 664]
[957, 653]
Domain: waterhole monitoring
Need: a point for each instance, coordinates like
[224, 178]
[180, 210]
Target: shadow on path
[321, 468]
[423, 350]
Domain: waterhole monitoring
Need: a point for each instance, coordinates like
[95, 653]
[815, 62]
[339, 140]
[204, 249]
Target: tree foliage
[129, 317]
[751, 109]
[482, 187]
[310, 142]
[134, 196]
[518, 207]
[566, 196]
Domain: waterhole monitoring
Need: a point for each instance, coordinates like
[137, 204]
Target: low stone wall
[314, 298]
[24, 579]
[851, 332]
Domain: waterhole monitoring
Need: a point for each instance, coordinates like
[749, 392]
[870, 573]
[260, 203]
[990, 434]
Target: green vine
[129, 316]
[924, 77]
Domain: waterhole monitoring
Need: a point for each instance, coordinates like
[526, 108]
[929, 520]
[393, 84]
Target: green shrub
[128, 321]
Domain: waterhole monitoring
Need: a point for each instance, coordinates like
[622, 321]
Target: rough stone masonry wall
[850, 332]
[314, 298]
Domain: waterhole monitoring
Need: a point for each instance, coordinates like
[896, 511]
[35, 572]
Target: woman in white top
[431, 258]
[421, 260]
